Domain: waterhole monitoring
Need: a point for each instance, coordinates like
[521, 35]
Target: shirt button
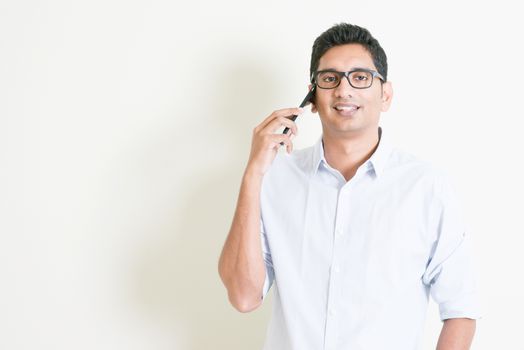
[337, 269]
[332, 312]
[338, 232]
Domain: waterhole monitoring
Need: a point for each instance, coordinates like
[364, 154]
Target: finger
[286, 130]
[290, 147]
[286, 112]
[284, 140]
[278, 122]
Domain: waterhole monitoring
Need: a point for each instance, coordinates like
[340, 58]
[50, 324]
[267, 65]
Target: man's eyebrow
[354, 68]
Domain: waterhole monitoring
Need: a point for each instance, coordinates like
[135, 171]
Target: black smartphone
[307, 99]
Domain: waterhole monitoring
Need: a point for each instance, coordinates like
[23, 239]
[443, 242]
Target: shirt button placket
[331, 322]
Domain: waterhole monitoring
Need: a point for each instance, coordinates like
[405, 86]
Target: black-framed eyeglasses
[358, 78]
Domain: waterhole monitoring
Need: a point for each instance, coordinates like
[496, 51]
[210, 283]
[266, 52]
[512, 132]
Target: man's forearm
[456, 334]
[241, 265]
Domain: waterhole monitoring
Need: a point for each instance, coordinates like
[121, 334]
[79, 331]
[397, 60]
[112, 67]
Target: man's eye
[360, 77]
[329, 78]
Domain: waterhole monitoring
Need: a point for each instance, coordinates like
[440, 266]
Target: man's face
[344, 110]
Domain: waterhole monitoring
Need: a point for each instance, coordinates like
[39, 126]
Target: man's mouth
[346, 108]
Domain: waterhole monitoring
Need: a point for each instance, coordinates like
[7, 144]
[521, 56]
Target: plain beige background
[125, 127]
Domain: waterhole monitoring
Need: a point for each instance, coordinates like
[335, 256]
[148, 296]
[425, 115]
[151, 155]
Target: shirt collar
[377, 161]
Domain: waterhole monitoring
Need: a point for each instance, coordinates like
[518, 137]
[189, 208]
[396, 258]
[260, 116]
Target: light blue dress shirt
[352, 264]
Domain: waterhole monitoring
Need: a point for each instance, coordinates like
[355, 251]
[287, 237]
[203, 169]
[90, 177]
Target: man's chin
[350, 129]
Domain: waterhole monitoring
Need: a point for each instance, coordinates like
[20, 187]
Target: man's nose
[344, 88]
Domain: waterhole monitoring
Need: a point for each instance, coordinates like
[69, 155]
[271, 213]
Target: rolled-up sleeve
[449, 273]
[266, 253]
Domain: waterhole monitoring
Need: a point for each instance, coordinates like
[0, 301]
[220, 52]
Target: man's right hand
[265, 143]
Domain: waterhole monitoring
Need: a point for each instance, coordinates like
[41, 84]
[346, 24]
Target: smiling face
[346, 111]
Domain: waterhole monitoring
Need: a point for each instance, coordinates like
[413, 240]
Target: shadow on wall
[175, 276]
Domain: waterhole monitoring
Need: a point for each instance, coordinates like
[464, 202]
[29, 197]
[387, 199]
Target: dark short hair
[345, 33]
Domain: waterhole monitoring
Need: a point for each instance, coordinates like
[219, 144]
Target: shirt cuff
[466, 306]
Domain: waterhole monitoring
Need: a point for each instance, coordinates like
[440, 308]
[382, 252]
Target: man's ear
[387, 95]
[313, 107]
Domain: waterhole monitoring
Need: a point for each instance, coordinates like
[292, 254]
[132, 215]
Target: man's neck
[347, 154]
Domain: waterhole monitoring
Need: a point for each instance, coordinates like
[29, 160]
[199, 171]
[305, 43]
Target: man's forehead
[346, 57]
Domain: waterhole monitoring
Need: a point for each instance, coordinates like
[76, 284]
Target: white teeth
[346, 108]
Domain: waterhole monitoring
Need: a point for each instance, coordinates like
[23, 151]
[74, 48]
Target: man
[353, 233]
